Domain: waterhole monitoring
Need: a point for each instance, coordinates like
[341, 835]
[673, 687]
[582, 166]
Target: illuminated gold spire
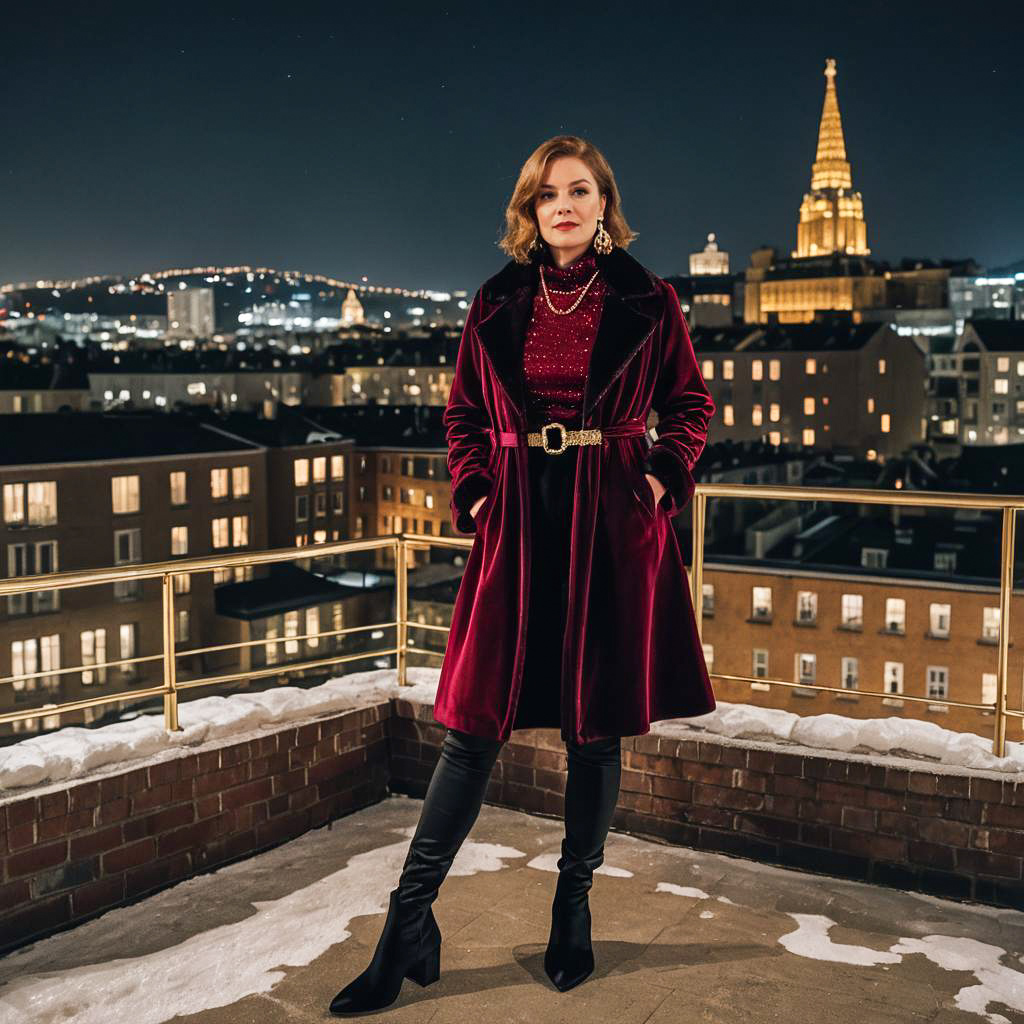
[832, 214]
[831, 168]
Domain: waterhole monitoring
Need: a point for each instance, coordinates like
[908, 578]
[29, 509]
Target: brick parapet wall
[72, 851]
[950, 832]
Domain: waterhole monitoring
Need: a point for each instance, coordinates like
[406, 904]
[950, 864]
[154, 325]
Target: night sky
[384, 140]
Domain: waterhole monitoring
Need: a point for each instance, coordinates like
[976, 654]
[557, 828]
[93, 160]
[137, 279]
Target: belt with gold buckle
[567, 437]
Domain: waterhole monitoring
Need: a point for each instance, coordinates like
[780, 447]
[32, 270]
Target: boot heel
[426, 971]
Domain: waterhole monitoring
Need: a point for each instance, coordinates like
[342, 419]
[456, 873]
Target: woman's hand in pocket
[656, 486]
[475, 507]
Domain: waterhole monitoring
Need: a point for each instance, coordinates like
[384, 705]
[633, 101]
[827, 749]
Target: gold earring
[602, 240]
[535, 245]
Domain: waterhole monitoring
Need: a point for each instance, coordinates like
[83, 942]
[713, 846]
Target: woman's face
[568, 195]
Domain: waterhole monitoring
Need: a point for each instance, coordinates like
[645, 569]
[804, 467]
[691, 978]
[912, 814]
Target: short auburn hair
[521, 224]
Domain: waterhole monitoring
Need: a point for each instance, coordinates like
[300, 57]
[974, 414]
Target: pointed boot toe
[409, 947]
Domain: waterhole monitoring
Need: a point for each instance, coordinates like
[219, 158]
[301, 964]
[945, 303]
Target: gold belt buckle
[544, 437]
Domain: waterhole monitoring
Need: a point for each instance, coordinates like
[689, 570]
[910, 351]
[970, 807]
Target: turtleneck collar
[576, 273]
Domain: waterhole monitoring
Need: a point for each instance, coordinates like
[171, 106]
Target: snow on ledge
[77, 752]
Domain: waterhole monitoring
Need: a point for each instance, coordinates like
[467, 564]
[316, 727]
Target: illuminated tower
[352, 310]
[832, 214]
[711, 260]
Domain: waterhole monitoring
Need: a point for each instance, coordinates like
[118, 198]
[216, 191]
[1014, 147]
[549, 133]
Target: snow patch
[689, 890]
[75, 752]
[892, 736]
[549, 862]
[997, 982]
[225, 964]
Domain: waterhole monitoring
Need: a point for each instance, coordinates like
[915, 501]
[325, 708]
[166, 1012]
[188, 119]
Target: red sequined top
[557, 348]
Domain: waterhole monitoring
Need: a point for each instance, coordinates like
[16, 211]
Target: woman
[574, 611]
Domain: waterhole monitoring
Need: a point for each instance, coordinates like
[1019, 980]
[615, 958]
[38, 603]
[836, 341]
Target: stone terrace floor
[679, 936]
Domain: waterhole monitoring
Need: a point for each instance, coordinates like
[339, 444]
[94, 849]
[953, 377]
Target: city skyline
[171, 142]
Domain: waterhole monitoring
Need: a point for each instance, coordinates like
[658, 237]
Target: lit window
[220, 532]
[320, 469]
[761, 602]
[852, 610]
[893, 677]
[806, 667]
[239, 531]
[774, 369]
[895, 614]
[728, 369]
[301, 472]
[337, 467]
[179, 488]
[806, 606]
[728, 415]
[808, 436]
[881, 366]
[937, 677]
[774, 412]
[990, 623]
[809, 405]
[218, 483]
[124, 494]
[179, 540]
[810, 365]
[885, 423]
[707, 369]
[759, 661]
[1003, 364]
[756, 415]
[939, 615]
[240, 481]
[757, 369]
[291, 629]
[989, 681]
[871, 405]
[94, 652]
[127, 636]
[1001, 385]
[850, 673]
[313, 625]
[14, 504]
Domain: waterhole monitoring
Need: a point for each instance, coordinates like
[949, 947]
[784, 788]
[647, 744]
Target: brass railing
[917, 499]
[402, 544]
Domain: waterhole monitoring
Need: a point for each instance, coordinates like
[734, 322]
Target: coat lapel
[629, 314]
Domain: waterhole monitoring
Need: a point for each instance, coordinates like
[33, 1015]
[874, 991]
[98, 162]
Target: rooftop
[679, 935]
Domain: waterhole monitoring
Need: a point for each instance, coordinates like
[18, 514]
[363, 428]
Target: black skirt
[552, 485]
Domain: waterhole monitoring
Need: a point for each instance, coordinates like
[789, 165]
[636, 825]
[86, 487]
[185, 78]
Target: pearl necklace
[547, 297]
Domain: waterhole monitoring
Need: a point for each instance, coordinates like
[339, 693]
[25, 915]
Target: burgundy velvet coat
[632, 654]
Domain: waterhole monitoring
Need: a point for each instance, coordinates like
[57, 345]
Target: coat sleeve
[467, 428]
[684, 407]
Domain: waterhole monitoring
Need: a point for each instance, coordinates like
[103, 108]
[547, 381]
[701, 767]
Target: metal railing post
[1005, 593]
[401, 606]
[170, 673]
[699, 506]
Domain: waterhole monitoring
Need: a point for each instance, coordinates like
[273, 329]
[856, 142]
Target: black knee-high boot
[410, 945]
[591, 793]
